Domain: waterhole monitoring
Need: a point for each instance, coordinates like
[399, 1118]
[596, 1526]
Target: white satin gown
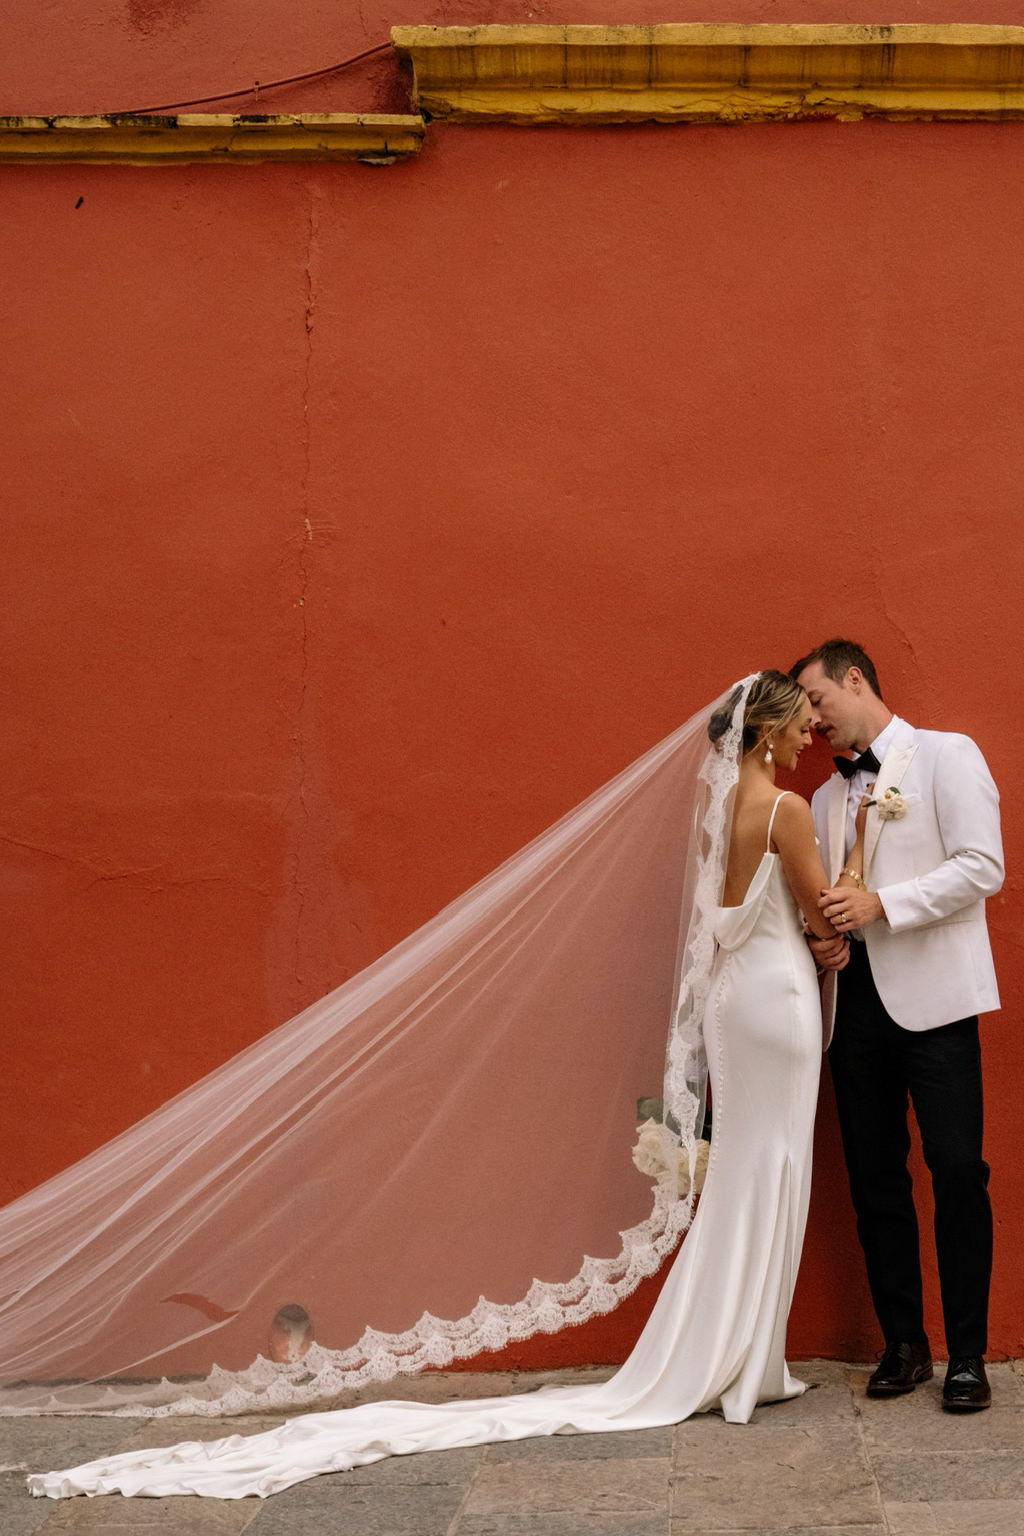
[716, 1337]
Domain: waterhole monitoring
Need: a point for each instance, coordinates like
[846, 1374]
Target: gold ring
[842, 917]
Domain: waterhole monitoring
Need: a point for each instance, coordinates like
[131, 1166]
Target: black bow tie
[848, 766]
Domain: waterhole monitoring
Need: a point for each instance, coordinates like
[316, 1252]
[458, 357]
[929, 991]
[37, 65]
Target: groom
[919, 973]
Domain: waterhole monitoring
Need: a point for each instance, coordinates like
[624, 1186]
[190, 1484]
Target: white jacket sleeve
[966, 804]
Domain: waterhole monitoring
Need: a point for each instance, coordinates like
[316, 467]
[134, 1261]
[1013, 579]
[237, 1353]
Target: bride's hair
[773, 701]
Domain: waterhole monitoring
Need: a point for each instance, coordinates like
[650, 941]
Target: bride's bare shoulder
[793, 816]
[754, 807]
[756, 794]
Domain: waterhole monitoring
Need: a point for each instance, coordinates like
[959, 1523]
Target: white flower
[659, 1156]
[700, 1167]
[649, 1154]
[891, 806]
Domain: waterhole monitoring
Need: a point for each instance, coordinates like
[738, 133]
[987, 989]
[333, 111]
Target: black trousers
[877, 1067]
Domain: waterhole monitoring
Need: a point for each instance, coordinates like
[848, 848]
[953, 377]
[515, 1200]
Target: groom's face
[836, 706]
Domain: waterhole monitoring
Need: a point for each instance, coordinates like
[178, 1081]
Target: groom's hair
[837, 657]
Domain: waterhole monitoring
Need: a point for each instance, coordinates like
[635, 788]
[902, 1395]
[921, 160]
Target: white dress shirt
[857, 786]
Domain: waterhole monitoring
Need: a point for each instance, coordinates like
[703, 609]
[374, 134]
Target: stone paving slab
[949, 1476]
[571, 1487]
[561, 1524]
[918, 1423]
[174, 1431]
[40, 1444]
[441, 1467]
[180, 1516]
[333, 1506]
[21, 1516]
[800, 1530]
[800, 1464]
[980, 1517]
[752, 1477]
[823, 1402]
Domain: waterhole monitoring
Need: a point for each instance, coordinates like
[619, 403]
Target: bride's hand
[829, 954]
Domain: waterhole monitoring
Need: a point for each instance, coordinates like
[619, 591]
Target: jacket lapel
[836, 827]
[894, 765]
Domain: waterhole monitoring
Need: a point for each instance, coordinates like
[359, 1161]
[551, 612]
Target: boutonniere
[891, 806]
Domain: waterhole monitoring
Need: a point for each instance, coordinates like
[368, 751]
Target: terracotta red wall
[359, 521]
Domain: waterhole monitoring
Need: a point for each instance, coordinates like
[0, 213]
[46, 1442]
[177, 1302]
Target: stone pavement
[831, 1463]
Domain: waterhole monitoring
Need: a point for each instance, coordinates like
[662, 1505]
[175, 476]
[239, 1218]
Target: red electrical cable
[256, 87]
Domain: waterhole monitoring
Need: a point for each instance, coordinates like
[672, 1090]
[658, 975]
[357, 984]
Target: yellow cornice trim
[714, 72]
[375, 138]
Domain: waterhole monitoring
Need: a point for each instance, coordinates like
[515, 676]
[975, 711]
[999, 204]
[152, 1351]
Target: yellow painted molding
[714, 72]
[377, 139]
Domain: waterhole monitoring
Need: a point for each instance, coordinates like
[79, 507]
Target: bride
[448, 1126]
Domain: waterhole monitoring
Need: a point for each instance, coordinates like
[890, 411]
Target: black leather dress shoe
[966, 1387]
[900, 1369]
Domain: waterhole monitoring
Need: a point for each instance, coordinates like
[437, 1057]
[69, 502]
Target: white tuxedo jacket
[932, 870]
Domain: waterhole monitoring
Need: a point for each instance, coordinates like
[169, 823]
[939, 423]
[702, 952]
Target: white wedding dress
[716, 1337]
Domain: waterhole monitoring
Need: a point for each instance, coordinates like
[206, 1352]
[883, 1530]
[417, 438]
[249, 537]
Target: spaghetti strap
[771, 819]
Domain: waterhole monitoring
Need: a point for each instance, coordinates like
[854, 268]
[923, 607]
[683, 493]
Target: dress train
[716, 1336]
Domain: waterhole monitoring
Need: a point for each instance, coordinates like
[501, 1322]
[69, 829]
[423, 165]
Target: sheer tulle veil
[433, 1160]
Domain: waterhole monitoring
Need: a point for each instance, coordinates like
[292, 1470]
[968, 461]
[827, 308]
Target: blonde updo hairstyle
[773, 702]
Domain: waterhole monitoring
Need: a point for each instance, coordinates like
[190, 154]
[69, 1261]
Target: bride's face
[790, 742]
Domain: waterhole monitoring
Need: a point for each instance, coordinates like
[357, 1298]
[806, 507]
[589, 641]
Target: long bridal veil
[433, 1160]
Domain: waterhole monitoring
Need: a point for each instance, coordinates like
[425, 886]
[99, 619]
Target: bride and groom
[892, 892]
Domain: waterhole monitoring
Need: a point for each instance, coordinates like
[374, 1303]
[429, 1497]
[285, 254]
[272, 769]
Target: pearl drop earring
[768, 754]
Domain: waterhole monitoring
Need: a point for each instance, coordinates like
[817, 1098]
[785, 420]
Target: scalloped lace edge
[432, 1342]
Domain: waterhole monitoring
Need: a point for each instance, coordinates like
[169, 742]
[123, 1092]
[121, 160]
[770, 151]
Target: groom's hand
[847, 907]
[829, 954]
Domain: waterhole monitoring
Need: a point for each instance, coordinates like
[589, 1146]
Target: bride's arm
[793, 836]
[853, 873]
[849, 903]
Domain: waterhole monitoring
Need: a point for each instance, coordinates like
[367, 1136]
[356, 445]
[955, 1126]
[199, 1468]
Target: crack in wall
[151, 877]
[305, 539]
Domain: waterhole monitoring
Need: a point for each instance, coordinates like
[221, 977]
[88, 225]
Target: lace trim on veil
[432, 1343]
[686, 1069]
